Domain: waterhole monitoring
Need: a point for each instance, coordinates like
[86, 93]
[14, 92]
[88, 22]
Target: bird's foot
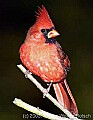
[27, 73]
[45, 91]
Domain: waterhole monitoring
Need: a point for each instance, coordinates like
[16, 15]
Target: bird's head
[43, 30]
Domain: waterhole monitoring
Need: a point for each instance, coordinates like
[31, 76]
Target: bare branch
[38, 85]
[37, 111]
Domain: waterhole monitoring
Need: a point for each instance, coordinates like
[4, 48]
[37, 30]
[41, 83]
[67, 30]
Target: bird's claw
[27, 73]
[45, 91]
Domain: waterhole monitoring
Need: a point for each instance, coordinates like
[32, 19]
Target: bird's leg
[45, 91]
[49, 86]
[27, 73]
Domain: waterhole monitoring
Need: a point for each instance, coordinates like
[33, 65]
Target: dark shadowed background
[73, 19]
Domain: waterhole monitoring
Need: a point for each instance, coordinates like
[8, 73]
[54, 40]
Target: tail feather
[65, 97]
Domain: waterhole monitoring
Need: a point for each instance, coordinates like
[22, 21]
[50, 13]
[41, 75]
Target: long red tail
[65, 97]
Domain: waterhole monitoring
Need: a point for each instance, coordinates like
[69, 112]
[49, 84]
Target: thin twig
[72, 117]
[37, 111]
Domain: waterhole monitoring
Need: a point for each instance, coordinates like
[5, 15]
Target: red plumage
[43, 56]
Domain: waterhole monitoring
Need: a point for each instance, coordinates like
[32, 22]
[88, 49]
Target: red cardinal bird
[43, 56]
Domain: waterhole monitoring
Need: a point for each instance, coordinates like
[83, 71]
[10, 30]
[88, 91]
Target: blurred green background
[73, 19]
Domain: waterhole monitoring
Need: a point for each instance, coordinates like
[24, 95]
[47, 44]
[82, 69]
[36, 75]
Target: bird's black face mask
[45, 33]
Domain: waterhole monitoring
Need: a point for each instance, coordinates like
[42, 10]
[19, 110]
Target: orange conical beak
[53, 33]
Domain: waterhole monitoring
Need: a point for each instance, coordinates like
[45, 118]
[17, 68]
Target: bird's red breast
[42, 60]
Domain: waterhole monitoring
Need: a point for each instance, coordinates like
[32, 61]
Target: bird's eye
[43, 30]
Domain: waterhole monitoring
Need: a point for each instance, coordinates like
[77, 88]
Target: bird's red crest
[43, 18]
